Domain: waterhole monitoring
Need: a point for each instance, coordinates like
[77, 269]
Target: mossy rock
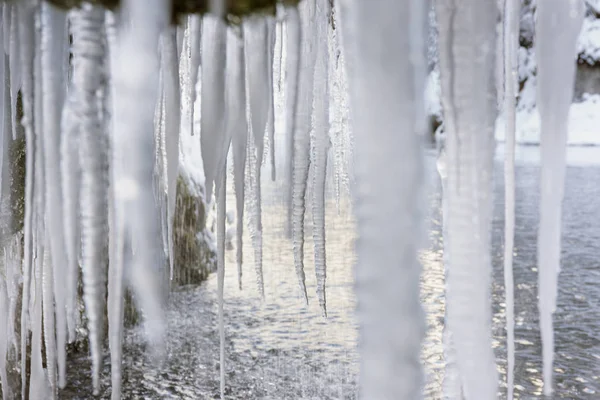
[194, 255]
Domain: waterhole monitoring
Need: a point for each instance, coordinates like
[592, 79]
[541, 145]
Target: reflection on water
[282, 349]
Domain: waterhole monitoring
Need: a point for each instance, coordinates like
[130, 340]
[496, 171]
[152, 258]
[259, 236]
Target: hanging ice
[26, 42]
[194, 33]
[271, 31]
[302, 129]
[172, 101]
[467, 39]
[136, 64]
[88, 58]
[320, 124]
[387, 87]
[213, 97]
[48, 299]
[292, 74]
[257, 49]
[511, 43]
[221, 211]
[237, 130]
[53, 26]
[557, 28]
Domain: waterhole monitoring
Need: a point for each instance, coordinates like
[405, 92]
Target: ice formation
[556, 55]
[511, 43]
[468, 88]
[102, 96]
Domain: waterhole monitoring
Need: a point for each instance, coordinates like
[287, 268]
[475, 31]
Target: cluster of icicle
[102, 150]
[469, 108]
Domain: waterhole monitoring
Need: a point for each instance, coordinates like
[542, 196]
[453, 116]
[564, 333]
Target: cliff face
[583, 120]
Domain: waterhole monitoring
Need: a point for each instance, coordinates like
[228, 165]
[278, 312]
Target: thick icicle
[511, 43]
[15, 74]
[116, 284]
[172, 116]
[468, 89]
[292, 76]
[136, 64]
[387, 86]
[53, 26]
[237, 130]
[257, 47]
[26, 51]
[194, 33]
[48, 298]
[557, 28]
[271, 32]
[88, 58]
[221, 214]
[320, 147]
[212, 122]
[302, 129]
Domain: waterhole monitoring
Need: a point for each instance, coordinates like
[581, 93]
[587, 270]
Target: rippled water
[281, 349]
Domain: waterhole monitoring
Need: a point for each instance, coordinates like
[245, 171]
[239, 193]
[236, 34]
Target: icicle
[116, 285]
[470, 110]
[170, 67]
[271, 32]
[214, 49]
[292, 77]
[136, 64]
[194, 29]
[511, 43]
[302, 141]
[53, 25]
[221, 211]
[26, 51]
[49, 324]
[556, 54]
[236, 108]
[237, 130]
[256, 38]
[387, 86]
[320, 147]
[88, 58]
[15, 60]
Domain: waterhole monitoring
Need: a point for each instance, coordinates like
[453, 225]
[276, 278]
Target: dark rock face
[194, 253]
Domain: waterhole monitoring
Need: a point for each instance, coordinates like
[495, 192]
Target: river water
[281, 349]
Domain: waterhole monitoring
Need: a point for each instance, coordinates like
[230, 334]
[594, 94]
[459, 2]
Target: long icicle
[15, 71]
[556, 53]
[88, 58]
[236, 108]
[256, 38]
[470, 110]
[511, 43]
[292, 77]
[212, 121]
[387, 87]
[70, 170]
[302, 141]
[53, 26]
[221, 214]
[170, 68]
[320, 147]
[271, 33]
[136, 64]
[194, 33]
[26, 50]
[116, 284]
